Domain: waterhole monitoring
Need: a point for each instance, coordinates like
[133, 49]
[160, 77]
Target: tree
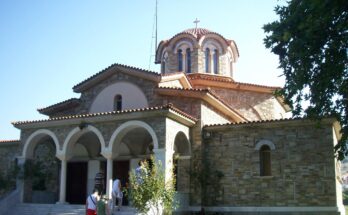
[149, 191]
[311, 40]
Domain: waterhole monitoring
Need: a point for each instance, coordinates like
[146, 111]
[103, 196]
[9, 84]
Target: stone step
[58, 209]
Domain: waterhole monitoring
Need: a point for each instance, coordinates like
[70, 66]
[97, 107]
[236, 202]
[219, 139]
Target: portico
[94, 140]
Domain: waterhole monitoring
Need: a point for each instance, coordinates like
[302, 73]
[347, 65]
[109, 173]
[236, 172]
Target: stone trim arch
[185, 37]
[214, 40]
[183, 44]
[132, 124]
[28, 143]
[264, 142]
[78, 132]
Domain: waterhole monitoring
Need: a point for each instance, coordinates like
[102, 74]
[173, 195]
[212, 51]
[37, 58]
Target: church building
[230, 144]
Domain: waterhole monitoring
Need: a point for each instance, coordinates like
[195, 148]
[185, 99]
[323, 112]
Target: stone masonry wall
[302, 164]
[88, 96]
[106, 128]
[8, 152]
[252, 105]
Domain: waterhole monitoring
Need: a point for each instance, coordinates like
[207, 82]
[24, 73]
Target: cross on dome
[196, 22]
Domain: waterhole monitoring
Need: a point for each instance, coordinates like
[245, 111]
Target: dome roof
[197, 32]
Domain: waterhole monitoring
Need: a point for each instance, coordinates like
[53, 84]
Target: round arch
[264, 142]
[183, 44]
[185, 146]
[77, 132]
[120, 131]
[212, 43]
[32, 140]
[133, 97]
[182, 37]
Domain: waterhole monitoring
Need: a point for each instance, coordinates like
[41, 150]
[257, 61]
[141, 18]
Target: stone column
[62, 191]
[211, 62]
[183, 61]
[109, 172]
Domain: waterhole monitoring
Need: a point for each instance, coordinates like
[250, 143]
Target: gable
[112, 70]
[132, 97]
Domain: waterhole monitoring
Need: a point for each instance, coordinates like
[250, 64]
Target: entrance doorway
[120, 171]
[76, 182]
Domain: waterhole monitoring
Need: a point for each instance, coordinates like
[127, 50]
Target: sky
[47, 47]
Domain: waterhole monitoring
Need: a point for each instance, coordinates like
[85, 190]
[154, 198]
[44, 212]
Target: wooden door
[76, 182]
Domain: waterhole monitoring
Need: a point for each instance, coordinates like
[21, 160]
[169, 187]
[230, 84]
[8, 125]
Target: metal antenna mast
[154, 27]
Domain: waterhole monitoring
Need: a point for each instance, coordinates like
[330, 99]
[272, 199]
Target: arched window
[180, 63]
[265, 161]
[188, 60]
[118, 102]
[216, 61]
[207, 60]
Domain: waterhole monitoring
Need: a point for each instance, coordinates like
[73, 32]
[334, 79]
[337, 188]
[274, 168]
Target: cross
[196, 22]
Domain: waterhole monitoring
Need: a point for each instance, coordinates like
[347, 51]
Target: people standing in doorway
[99, 181]
[140, 171]
[91, 202]
[117, 194]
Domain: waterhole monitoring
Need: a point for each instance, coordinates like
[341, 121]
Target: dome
[197, 50]
[197, 32]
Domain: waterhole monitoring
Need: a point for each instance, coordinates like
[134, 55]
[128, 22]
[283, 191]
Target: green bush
[345, 197]
[149, 190]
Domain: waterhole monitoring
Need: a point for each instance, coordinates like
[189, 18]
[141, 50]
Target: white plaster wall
[338, 176]
[209, 116]
[174, 83]
[80, 151]
[93, 169]
[132, 97]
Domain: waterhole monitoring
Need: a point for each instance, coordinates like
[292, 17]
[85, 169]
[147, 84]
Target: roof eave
[111, 70]
[168, 110]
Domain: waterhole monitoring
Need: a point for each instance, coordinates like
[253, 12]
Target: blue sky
[47, 47]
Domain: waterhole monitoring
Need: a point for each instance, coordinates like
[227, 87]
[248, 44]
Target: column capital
[107, 154]
[61, 156]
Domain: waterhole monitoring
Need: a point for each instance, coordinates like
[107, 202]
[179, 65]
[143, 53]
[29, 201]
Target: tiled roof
[257, 122]
[195, 76]
[73, 102]
[79, 116]
[115, 65]
[9, 141]
[197, 32]
[186, 89]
